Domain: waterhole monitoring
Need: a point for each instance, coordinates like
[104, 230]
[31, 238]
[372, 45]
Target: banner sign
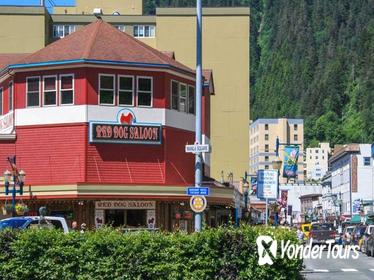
[125, 204]
[254, 184]
[291, 155]
[284, 198]
[6, 123]
[267, 184]
[125, 131]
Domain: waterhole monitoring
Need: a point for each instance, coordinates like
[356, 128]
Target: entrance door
[115, 218]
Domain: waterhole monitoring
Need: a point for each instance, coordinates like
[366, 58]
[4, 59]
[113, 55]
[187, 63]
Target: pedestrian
[74, 226]
[83, 227]
[300, 235]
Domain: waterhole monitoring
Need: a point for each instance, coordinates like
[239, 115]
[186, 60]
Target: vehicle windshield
[12, 223]
[323, 227]
[350, 229]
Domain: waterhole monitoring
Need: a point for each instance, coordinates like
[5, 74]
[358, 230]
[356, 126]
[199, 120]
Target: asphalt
[324, 268]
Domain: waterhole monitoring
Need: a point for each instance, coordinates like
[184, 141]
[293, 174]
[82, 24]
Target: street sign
[197, 148]
[267, 184]
[198, 191]
[198, 203]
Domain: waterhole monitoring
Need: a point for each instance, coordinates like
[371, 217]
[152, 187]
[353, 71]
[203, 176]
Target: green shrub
[223, 253]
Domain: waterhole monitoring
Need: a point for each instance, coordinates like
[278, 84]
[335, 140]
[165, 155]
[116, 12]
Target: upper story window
[144, 31]
[266, 137]
[120, 27]
[367, 161]
[295, 138]
[61, 31]
[174, 95]
[266, 126]
[295, 127]
[33, 91]
[50, 90]
[67, 89]
[10, 97]
[145, 91]
[183, 98]
[126, 90]
[267, 148]
[1, 101]
[106, 89]
[191, 99]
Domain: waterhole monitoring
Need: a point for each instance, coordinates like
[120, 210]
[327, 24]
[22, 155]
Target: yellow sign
[198, 203]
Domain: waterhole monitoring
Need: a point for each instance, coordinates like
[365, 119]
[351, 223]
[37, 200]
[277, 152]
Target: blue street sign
[198, 191]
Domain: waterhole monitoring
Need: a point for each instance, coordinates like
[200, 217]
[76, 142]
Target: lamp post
[277, 165]
[18, 180]
[245, 192]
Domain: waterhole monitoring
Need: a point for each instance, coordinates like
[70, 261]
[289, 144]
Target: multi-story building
[225, 51]
[262, 144]
[352, 178]
[317, 161]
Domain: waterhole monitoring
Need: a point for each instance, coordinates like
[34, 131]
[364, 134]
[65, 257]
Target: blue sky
[37, 2]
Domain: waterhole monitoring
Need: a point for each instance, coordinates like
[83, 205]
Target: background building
[263, 135]
[352, 178]
[225, 51]
[317, 161]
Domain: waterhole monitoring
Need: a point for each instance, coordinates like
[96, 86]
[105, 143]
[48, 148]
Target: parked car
[320, 233]
[26, 222]
[348, 234]
[358, 234]
[367, 233]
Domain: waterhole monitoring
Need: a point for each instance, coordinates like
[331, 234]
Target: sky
[48, 3]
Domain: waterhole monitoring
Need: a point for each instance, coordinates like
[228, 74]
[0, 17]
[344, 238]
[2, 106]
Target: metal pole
[14, 197]
[266, 211]
[198, 138]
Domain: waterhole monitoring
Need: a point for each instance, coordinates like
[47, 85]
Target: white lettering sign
[125, 204]
[197, 148]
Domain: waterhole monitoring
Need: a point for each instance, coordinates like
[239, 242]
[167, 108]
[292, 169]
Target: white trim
[48, 91]
[60, 89]
[27, 91]
[2, 101]
[143, 26]
[133, 89]
[10, 86]
[171, 94]
[114, 89]
[137, 91]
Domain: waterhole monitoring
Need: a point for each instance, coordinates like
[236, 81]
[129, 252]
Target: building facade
[352, 178]
[317, 161]
[262, 144]
[225, 51]
[105, 128]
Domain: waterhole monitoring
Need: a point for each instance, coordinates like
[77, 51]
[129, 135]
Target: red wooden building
[99, 121]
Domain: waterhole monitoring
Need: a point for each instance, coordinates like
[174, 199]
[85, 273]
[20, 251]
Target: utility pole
[198, 138]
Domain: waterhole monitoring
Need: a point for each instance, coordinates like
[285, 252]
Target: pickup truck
[34, 222]
[320, 233]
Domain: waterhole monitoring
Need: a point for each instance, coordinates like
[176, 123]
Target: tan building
[317, 161]
[263, 135]
[225, 51]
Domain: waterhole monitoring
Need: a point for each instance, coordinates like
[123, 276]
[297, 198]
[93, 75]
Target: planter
[21, 209]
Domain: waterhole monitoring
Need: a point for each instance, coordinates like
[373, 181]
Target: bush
[223, 253]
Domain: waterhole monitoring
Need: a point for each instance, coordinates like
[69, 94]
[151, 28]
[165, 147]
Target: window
[295, 137]
[266, 166]
[144, 91]
[33, 91]
[266, 136]
[106, 89]
[266, 158]
[316, 157]
[1, 101]
[67, 89]
[61, 31]
[126, 90]
[50, 90]
[367, 161]
[191, 100]
[267, 148]
[10, 96]
[174, 95]
[183, 97]
[144, 31]
[295, 127]
[120, 27]
[266, 127]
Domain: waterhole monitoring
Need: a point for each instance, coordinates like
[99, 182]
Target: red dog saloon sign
[125, 131]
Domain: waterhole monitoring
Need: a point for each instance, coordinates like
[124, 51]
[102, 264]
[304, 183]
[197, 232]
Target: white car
[35, 222]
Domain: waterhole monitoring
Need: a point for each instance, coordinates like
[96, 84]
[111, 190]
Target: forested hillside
[312, 59]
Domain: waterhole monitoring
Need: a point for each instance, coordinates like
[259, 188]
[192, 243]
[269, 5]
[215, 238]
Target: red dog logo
[128, 119]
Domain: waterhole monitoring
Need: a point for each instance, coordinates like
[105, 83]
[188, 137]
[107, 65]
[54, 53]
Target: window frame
[114, 89]
[365, 161]
[118, 26]
[295, 137]
[171, 95]
[27, 92]
[118, 89]
[60, 90]
[57, 26]
[44, 91]
[137, 91]
[1, 101]
[143, 27]
[185, 98]
[10, 96]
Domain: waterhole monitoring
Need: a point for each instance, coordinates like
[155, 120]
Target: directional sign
[198, 203]
[267, 184]
[198, 191]
[197, 148]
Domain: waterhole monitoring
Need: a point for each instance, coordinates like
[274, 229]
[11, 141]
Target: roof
[100, 42]
[10, 58]
[341, 150]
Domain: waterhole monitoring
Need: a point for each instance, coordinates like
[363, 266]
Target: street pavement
[357, 269]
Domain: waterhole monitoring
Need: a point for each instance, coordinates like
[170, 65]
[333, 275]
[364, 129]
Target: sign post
[267, 187]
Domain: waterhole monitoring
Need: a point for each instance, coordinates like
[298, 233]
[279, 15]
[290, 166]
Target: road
[341, 269]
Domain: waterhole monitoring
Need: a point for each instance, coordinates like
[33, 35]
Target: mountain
[311, 59]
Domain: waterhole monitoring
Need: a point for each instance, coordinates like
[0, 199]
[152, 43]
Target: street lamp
[277, 165]
[245, 192]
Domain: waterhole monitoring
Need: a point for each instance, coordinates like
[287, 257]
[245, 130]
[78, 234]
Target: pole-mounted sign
[196, 148]
[198, 203]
